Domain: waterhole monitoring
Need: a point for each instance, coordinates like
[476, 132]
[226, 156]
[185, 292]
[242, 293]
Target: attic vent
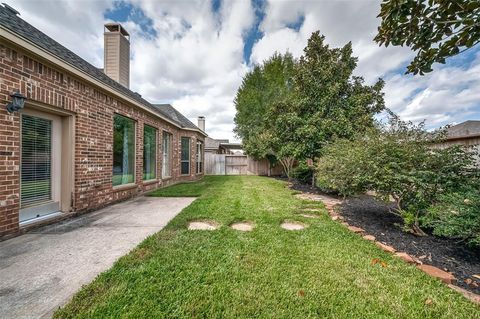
[137, 94]
[12, 10]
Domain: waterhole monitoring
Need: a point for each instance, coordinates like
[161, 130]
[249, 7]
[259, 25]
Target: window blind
[36, 160]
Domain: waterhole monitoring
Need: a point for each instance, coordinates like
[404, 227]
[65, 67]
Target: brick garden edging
[331, 204]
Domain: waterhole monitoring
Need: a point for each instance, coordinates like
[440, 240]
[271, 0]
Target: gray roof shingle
[12, 22]
[175, 115]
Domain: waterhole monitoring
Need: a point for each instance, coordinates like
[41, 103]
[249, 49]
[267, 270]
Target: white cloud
[340, 22]
[195, 61]
[78, 25]
[449, 94]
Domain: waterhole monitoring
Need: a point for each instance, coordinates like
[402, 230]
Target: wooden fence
[222, 164]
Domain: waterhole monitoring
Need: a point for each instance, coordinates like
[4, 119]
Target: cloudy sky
[193, 54]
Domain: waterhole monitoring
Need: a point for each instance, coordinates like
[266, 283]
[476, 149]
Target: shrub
[341, 168]
[457, 215]
[303, 172]
[396, 161]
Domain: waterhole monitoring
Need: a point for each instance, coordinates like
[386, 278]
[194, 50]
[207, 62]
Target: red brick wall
[93, 111]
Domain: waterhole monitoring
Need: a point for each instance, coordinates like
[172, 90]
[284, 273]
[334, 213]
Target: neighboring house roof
[467, 129]
[213, 144]
[232, 146]
[10, 21]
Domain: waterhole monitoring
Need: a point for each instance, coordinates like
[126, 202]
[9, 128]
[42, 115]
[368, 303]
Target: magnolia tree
[291, 108]
[435, 30]
[330, 102]
[398, 161]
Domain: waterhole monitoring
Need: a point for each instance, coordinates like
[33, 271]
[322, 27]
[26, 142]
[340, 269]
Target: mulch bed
[447, 254]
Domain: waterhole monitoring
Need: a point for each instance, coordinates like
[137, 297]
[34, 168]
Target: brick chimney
[117, 53]
[201, 123]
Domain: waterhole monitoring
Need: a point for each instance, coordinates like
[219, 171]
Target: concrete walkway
[41, 270]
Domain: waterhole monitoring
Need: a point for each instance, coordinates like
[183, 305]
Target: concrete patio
[41, 270]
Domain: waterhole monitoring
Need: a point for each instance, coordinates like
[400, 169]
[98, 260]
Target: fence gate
[236, 165]
[222, 164]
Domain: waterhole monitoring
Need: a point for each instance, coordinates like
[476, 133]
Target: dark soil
[447, 254]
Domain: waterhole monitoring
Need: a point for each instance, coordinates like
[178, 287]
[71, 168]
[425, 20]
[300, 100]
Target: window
[199, 157]
[36, 160]
[149, 153]
[185, 156]
[123, 150]
[167, 141]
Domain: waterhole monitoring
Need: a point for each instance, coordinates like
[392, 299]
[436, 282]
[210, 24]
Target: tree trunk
[313, 172]
[287, 164]
[416, 230]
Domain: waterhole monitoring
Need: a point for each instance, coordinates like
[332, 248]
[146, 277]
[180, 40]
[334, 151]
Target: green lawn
[324, 271]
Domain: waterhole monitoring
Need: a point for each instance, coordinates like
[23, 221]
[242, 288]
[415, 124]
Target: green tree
[291, 109]
[261, 88]
[330, 101]
[435, 29]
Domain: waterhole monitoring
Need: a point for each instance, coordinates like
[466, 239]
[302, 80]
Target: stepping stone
[369, 237]
[311, 209]
[388, 249]
[406, 257]
[242, 226]
[291, 225]
[356, 229]
[309, 215]
[202, 225]
[444, 276]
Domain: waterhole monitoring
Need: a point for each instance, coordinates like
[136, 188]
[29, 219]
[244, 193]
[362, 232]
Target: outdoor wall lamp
[18, 102]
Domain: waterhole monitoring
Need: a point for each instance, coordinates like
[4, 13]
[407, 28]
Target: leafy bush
[341, 168]
[397, 162]
[303, 173]
[457, 215]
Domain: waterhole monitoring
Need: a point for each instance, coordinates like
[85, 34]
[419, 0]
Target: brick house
[83, 139]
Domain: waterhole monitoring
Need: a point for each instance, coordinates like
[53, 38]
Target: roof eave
[462, 137]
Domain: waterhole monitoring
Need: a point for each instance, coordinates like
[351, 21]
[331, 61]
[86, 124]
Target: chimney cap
[116, 27]
[201, 117]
